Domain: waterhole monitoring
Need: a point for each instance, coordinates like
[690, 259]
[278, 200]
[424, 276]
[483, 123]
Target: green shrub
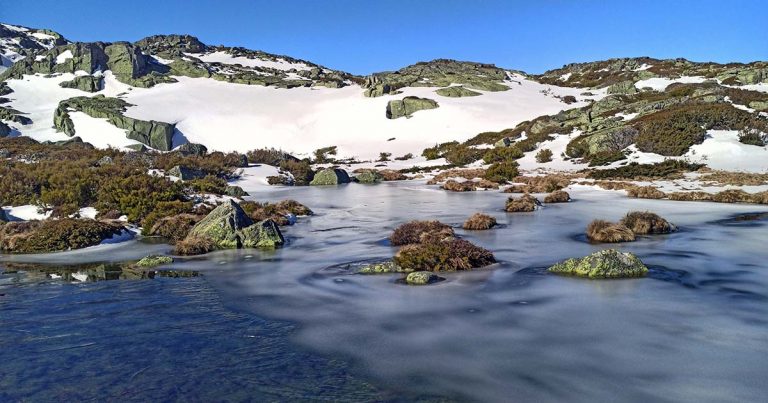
[322, 155]
[54, 235]
[301, 170]
[544, 155]
[501, 172]
[384, 157]
[499, 154]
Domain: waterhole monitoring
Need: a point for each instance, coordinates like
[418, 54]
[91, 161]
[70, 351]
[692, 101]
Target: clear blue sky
[364, 36]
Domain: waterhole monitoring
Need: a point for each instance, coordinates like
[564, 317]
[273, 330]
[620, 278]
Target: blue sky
[367, 36]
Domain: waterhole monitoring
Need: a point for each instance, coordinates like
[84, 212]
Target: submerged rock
[330, 176]
[608, 263]
[154, 260]
[381, 268]
[228, 227]
[422, 278]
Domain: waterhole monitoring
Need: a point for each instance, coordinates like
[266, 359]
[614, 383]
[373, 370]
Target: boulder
[330, 176]
[369, 176]
[456, 92]
[624, 87]
[5, 130]
[84, 83]
[381, 268]
[407, 106]
[235, 191]
[154, 260]
[193, 149]
[505, 142]
[185, 173]
[422, 278]
[608, 263]
[228, 226]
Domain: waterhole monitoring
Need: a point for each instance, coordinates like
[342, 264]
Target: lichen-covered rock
[228, 226]
[505, 142]
[235, 191]
[186, 174]
[84, 83]
[192, 149]
[608, 263]
[624, 87]
[154, 260]
[422, 278]
[457, 92]
[368, 176]
[158, 135]
[407, 106]
[381, 268]
[330, 176]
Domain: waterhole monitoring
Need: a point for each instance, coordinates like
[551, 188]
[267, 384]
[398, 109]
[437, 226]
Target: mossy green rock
[154, 260]
[84, 83]
[422, 278]
[408, 106]
[329, 177]
[457, 92]
[608, 263]
[381, 268]
[368, 177]
[624, 87]
[229, 227]
[157, 135]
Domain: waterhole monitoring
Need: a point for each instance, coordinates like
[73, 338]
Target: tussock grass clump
[645, 222]
[457, 173]
[610, 185]
[175, 228]
[608, 232]
[732, 196]
[194, 246]
[735, 178]
[456, 186]
[391, 175]
[645, 192]
[523, 204]
[670, 169]
[443, 255]
[479, 221]
[518, 189]
[277, 212]
[415, 231]
[558, 196]
[760, 198]
[544, 184]
[486, 184]
[690, 196]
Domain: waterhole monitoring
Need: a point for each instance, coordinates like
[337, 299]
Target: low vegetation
[558, 196]
[54, 235]
[479, 221]
[523, 204]
[645, 223]
[607, 232]
[415, 231]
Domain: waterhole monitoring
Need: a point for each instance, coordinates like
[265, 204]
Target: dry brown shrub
[608, 232]
[558, 196]
[724, 178]
[391, 175]
[479, 221]
[486, 184]
[518, 189]
[457, 173]
[544, 184]
[645, 222]
[760, 198]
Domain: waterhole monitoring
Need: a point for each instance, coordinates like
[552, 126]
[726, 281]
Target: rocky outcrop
[13, 115]
[5, 130]
[157, 135]
[438, 73]
[330, 176]
[456, 92]
[192, 149]
[407, 106]
[170, 46]
[85, 83]
[608, 263]
[228, 226]
[154, 260]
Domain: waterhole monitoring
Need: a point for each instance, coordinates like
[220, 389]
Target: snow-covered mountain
[166, 90]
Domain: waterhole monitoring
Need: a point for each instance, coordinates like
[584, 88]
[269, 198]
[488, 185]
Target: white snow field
[226, 58]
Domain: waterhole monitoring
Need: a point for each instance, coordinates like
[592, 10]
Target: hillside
[166, 90]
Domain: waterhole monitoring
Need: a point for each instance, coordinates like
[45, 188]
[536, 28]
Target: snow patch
[25, 213]
[64, 56]
[661, 83]
[226, 58]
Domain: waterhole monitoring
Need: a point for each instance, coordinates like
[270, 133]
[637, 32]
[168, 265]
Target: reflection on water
[35, 273]
[694, 330]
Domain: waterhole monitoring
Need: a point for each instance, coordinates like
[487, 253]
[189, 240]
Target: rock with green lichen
[229, 227]
[457, 92]
[368, 176]
[154, 260]
[382, 268]
[84, 83]
[407, 106]
[422, 278]
[608, 263]
[330, 176]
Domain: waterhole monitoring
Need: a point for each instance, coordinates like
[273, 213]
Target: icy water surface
[695, 330]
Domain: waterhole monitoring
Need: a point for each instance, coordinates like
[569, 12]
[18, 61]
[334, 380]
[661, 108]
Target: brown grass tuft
[479, 221]
[558, 196]
[525, 203]
[194, 246]
[457, 173]
[645, 192]
[690, 196]
[455, 186]
[645, 222]
[415, 231]
[608, 232]
[445, 255]
[732, 196]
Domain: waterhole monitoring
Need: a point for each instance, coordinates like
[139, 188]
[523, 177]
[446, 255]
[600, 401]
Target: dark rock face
[193, 149]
